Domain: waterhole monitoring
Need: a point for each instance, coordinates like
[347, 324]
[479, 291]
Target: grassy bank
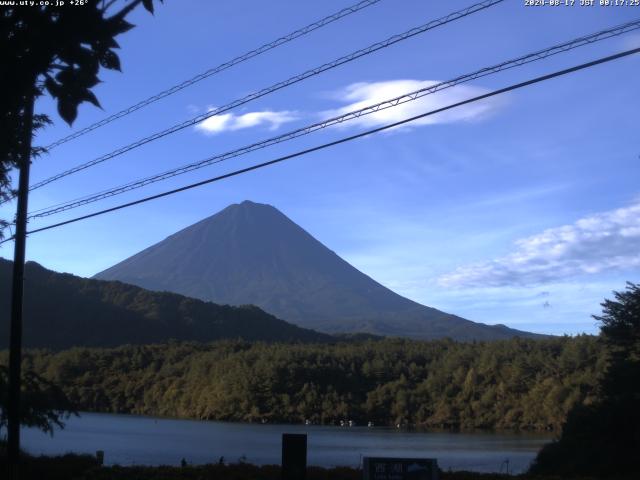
[85, 467]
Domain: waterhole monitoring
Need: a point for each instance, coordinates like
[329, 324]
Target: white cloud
[363, 94]
[603, 242]
[230, 122]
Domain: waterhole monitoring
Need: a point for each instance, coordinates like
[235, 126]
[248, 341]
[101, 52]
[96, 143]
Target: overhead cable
[215, 70]
[340, 141]
[408, 97]
[277, 86]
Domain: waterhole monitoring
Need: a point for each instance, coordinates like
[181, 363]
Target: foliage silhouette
[44, 405]
[603, 438]
[58, 51]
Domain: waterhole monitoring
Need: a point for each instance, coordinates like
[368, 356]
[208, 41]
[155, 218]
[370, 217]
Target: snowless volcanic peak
[251, 253]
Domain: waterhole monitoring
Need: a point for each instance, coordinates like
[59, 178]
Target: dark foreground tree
[54, 50]
[59, 50]
[44, 405]
[603, 439]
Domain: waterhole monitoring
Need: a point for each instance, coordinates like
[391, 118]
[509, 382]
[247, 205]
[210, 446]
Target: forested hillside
[515, 383]
[63, 310]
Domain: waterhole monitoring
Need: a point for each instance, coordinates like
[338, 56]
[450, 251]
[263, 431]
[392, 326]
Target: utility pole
[15, 338]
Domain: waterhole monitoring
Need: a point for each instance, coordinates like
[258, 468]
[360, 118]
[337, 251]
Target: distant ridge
[251, 253]
[62, 311]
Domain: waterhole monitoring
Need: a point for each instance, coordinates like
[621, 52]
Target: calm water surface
[129, 439]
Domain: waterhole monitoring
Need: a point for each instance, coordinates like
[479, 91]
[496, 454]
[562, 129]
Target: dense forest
[104, 314]
[523, 384]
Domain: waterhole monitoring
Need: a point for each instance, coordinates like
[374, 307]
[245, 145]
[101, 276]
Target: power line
[342, 140]
[277, 86]
[220, 68]
[408, 97]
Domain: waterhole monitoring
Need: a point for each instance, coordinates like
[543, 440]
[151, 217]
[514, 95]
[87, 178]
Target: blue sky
[522, 210]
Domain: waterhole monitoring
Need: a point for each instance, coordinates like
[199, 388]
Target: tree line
[510, 384]
[602, 438]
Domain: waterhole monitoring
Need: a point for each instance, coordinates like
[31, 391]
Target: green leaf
[89, 96]
[107, 43]
[118, 26]
[68, 109]
[87, 60]
[65, 76]
[88, 79]
[52, 87]
[148, 4]
[110, 60]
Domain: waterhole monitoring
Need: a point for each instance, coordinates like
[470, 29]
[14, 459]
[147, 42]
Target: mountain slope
[62, 310]
[252, 253]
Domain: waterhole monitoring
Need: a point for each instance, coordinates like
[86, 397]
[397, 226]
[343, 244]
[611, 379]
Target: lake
[137, 440]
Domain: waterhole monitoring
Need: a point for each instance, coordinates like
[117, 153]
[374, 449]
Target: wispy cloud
[363, 94]
[230, 122]
[598, 243]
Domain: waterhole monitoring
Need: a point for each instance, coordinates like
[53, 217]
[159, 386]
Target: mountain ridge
[62, 311]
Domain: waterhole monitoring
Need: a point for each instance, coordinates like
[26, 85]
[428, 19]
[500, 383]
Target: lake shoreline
[152, 441]
[404, 427]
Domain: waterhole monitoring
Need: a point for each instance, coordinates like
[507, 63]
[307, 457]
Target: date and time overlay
[526, 3]
[581, 3]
